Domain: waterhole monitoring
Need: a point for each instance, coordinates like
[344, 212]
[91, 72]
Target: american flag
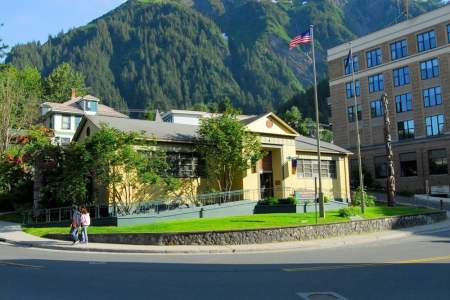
[302, 39]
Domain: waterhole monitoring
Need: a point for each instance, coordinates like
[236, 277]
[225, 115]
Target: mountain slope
[173, 54]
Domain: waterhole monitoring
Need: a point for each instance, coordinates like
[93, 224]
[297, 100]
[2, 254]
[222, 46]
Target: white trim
[420, 23]
[415, 58]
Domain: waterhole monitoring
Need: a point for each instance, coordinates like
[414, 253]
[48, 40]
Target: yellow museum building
[289, 168]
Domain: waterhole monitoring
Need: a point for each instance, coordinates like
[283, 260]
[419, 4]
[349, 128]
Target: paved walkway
[12, 233]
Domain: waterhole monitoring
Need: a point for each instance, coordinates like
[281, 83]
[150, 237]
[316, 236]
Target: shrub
[272, 201]
[369, 200]
[269, 201]
[326, 199]
[349, 212]
[288, 201]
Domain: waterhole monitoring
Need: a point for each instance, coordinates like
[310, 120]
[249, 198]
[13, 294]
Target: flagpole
[358, 139]
[316, 102]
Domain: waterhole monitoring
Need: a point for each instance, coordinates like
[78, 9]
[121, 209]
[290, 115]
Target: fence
[103, 214]
[64, 214]
[158, 206]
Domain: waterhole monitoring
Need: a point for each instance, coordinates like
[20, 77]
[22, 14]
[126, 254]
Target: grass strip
[238, 222]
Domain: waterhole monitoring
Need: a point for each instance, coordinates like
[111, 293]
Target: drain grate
[321, 296]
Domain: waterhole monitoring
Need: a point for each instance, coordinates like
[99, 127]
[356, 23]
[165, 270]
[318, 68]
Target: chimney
[74, 93]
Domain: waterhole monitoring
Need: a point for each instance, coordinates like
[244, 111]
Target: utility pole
[358, 138]
[316, 102]
[390, 182]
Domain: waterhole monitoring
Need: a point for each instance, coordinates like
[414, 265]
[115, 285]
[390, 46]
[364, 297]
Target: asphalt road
[412, 268]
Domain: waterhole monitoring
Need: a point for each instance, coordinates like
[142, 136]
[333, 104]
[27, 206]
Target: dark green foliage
[171, 54]
[305, 101]
[3, 47]
[227, 148]
[60, 82]
[349, 212]
[269, 201]
[288, 201]
[369, 200]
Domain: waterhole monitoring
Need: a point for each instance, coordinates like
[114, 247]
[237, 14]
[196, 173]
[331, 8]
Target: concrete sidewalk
[11, 233]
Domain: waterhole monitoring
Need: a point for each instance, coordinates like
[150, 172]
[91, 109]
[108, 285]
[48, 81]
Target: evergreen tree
[175, 54]
[61, 81]
[3, 47]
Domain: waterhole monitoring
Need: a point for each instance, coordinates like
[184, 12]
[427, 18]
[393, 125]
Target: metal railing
[218, 198]
[63, 214]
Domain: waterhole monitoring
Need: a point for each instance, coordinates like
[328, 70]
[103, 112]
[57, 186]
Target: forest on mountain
[164, 54]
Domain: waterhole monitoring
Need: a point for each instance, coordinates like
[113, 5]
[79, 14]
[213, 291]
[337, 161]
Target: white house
[64, 118]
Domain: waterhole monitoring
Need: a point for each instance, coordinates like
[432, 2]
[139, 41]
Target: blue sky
[28, 20]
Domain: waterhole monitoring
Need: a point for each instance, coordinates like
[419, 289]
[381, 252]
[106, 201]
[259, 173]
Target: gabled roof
[72, 107]
[163, 131]
[196, 113]
[288, 130]
[303, 143]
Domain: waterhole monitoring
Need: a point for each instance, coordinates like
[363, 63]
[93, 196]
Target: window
[91, 106]
[403, 102]
[77, 121]
[435, 125]
[50, 122]
[348, 67]
[438, 161]
[429, 69]
[65, 122]
[399, 49]
[376, 109]
[426, 41]
[432, 96]
[183, 165]
[349, 89]
[405, 129]
[88, 131]
[376, 83]
[380, 163]
[401, 76]
[351, 113]
[448, 33]
[373, 57]
[309, 168]
[408, 164]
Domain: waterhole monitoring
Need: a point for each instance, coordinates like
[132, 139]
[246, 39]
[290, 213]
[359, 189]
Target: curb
[273, 247]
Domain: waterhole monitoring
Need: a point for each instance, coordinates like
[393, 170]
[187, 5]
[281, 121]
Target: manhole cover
[321, 296]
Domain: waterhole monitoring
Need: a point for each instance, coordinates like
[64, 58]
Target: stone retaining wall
[260, 236]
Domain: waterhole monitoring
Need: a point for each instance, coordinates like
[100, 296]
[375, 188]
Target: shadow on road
[52, 279]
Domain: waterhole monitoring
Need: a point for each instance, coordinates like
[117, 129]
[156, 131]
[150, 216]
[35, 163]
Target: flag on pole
[349, 57]
[302, 39]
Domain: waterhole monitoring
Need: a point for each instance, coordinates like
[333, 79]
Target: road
[417, 267]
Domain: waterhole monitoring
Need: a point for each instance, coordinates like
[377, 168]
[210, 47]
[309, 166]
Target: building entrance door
[266, 177]
[266, 180]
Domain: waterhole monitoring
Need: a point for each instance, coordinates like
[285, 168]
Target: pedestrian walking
[75, 224]
[85, 222]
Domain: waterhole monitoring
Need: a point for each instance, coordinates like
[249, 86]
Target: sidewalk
[11, 233]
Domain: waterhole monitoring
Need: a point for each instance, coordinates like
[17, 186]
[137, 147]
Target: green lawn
[233, 223]
[12, 217]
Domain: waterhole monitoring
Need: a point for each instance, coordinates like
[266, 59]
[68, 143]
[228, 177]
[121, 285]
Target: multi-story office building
[410, 63]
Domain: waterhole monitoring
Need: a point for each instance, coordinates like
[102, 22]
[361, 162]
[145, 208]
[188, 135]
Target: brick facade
[371, 128]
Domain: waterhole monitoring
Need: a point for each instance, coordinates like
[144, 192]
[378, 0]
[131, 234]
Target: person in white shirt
[85, 222]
